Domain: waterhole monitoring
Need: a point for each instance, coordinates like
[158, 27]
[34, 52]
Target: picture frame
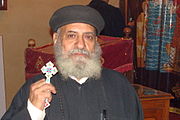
[3, 4]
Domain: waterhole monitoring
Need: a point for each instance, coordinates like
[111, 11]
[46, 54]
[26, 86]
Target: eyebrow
[91, 33]
[70, 31]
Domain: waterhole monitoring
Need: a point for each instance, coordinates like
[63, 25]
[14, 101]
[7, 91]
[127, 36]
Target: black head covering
[76, 14]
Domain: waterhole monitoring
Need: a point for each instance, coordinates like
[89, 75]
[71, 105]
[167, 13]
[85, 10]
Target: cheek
[67, 46]
[91, 47]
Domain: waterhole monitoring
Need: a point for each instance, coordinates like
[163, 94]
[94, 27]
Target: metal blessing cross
[49, 70]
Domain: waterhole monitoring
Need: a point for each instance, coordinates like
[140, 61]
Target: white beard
[80, 66]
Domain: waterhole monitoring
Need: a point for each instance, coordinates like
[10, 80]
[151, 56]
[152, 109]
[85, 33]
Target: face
[77, 51]
[77, 36]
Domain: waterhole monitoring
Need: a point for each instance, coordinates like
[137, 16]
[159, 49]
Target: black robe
[114, 20]
[111, 93]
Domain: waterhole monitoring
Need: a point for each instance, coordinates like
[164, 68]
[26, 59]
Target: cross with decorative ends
[49, 70]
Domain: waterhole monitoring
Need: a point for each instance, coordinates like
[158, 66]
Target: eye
[89, 37]
[71, 36]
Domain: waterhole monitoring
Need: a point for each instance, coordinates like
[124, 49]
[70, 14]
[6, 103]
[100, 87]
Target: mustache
[82, 51]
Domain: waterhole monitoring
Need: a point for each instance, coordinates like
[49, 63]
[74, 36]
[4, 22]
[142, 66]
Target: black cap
[76, 14]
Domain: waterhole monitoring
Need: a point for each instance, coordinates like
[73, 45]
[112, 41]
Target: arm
[132, 101]
[139, 113]
[122, 96]
[18, 108]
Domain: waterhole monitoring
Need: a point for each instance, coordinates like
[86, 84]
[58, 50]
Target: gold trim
[174, 110]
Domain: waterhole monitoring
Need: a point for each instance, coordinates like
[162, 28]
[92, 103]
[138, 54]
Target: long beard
[80, 66]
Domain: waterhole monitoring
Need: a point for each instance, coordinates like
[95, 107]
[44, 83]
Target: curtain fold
[158, 47]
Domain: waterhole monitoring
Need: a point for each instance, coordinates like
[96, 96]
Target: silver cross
[49, 70]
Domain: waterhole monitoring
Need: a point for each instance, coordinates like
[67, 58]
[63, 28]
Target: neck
[106, 1]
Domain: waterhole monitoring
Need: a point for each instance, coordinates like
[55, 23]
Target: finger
[38, 84]
[48, 96]
[53, 89]
[42, 82]
[47, 87]
[40, 93]
[40, 96]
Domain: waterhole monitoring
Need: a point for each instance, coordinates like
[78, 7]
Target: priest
[81, 89]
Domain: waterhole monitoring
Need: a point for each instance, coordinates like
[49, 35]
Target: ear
[55, 37]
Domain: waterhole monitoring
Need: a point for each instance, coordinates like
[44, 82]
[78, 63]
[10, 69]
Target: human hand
[39, 91]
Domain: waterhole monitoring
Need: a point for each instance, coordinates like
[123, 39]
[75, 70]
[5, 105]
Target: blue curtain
[158, 71]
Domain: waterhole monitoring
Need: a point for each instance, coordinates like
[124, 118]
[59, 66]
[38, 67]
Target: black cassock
[114, 20]
[112, 94]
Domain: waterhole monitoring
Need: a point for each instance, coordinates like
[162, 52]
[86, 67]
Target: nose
[81, 43]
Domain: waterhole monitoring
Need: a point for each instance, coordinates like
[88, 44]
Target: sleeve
[132, 102]
[139, 113]
[34, 112]
[128, 105]
[18, 108]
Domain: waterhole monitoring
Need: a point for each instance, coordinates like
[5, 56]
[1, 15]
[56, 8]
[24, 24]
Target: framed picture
[3, 4]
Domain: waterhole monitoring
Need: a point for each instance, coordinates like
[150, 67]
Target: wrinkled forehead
[79, 27]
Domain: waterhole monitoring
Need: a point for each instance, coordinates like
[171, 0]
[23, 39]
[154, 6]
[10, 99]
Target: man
[82, 90]
[114, 20]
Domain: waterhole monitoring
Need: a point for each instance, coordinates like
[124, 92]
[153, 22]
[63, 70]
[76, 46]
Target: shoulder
[109, 73]
[117, 83]
[116, 80]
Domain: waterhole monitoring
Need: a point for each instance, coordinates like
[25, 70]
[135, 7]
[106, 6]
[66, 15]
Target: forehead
[78, 27]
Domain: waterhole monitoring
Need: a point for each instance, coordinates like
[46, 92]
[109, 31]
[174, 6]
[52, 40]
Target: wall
[25, 19]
